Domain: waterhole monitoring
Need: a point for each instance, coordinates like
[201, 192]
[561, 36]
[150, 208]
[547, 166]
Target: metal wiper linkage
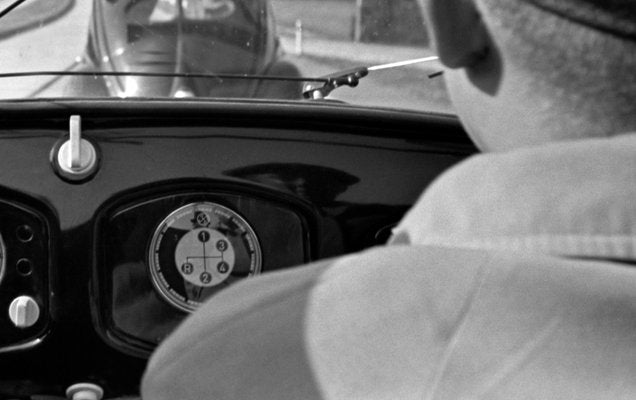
[351, 77]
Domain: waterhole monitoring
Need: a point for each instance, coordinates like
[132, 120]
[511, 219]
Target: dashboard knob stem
[75, 137]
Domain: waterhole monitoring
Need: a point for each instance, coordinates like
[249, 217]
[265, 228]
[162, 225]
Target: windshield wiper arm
[11, 7]
[351, 77]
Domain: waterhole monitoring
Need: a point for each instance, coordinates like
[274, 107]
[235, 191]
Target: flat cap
[617, 17]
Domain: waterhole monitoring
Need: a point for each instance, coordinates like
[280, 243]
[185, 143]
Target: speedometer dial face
[198, 250]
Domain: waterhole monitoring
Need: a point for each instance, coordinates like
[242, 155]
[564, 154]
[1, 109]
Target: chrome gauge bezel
[3, 258]
[243, 236]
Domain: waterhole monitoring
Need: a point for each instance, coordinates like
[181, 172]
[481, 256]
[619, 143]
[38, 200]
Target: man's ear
[458, 32]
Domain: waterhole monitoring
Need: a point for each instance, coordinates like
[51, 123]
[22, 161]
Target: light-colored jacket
[512, 278]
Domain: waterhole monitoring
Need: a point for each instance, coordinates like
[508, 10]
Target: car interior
[91, 193]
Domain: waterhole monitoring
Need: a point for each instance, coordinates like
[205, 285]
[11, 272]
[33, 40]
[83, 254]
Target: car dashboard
[186, 198]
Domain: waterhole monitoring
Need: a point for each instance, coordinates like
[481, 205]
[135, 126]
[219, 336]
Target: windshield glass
[210, 48]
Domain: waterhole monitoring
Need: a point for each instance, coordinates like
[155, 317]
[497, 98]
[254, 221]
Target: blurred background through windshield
[315, 38]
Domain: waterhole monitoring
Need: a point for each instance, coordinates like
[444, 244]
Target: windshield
[218, 49]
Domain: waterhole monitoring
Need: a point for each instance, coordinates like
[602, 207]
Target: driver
[509, 278]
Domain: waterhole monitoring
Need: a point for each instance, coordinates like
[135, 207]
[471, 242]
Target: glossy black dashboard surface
[311, 181]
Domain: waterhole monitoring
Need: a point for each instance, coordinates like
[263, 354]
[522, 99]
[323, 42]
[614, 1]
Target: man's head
[526, 72]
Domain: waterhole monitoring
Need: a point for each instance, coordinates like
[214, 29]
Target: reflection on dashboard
[2, 258]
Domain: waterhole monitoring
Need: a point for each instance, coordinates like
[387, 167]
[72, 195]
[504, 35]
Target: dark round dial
[198, 250]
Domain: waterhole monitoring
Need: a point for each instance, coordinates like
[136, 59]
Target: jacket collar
[574, 199]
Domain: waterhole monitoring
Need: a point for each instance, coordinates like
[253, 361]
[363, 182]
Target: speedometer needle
[205, 263]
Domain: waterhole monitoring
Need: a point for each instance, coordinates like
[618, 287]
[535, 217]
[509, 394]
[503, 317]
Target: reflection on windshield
[309, 38]
[157, 11]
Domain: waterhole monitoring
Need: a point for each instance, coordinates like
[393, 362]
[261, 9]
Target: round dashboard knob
[75, 159]
[80, 164]
[24, 311]
[84, 391]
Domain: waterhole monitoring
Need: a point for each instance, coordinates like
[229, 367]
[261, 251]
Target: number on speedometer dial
[199, 249]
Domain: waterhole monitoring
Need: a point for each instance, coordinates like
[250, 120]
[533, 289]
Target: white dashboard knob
[77, 157]
[84, 391]
[24, 312]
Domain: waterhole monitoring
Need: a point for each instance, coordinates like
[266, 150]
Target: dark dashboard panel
[311, 180]
[25, 256]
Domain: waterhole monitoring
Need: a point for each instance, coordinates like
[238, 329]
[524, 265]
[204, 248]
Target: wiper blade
[319, 88]
[163, 75]
[351, 77]
[11, 7]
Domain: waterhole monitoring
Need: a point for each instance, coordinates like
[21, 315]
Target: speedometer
[199, 249]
